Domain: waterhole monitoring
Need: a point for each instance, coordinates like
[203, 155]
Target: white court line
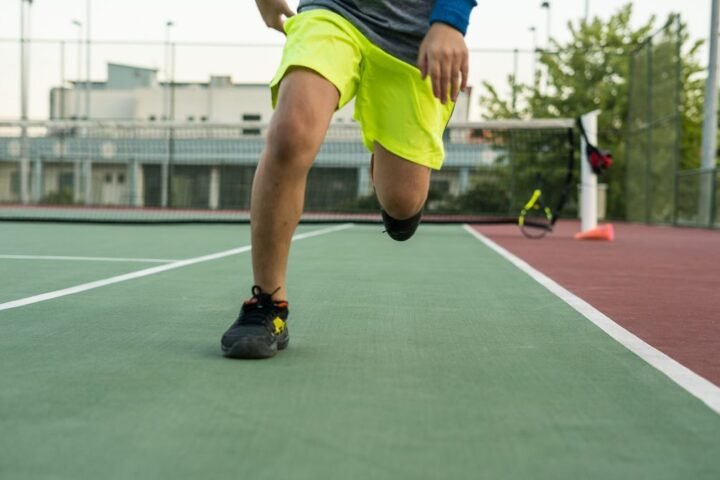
[86, 259]
[151, 271]
[693, 383]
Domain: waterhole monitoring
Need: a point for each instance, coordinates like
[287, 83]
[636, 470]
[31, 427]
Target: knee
[292, 142]
[403, 204]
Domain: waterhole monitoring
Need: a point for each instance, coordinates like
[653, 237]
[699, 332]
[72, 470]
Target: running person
[405, 61]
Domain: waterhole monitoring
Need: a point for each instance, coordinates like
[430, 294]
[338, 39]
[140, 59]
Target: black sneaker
[401, 230]
[260, 330]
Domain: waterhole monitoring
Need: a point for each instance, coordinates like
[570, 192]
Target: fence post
[710, 118]
[678, 120]
[713, 197]
[649, 123]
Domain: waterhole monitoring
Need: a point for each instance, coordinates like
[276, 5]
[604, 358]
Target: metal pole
[533, 29]
[649, 131]
[87, 61]
[78, 24]
[587, 11]
[61, 100]
[166, 91]
[77, 167]
[710, 120]
[546, 5]
[87, 171]
[678, 119]
[165, 167]
[515, 82]
[172, 82]
[25, 153]
[171, 156]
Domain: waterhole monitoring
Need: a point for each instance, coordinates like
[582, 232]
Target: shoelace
[259, 308]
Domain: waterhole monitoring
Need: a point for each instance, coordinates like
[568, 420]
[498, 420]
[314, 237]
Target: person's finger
[455, 81]
[445, 76]
[278, 24]
[423, 64]
[435, 75]
[287, 11]
[465, 71]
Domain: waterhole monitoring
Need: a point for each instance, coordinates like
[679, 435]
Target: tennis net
[111, 171]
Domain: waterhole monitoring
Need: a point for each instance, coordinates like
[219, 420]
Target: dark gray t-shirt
[398, 27]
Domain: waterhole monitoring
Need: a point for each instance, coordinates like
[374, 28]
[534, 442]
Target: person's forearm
[455, 13]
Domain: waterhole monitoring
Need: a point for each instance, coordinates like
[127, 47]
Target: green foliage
[693, 95]
[62, 197]
[591, 71]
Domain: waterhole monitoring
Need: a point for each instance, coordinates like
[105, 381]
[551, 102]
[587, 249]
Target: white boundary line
[693, 383]
[151, 271]
[86, 259]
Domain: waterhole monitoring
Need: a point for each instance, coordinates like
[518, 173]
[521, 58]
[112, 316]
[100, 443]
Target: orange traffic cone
[603, 232]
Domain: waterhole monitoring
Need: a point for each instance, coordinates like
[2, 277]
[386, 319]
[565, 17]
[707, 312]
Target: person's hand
[272, 12]
[444, 56]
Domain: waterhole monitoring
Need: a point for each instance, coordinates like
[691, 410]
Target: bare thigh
[305, 106]
[401, 185]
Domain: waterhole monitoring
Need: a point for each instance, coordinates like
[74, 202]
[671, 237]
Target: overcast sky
[494, 25]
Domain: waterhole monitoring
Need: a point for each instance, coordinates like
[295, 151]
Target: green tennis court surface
[433, 359]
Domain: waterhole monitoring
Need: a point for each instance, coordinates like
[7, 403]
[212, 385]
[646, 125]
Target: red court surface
[661, 283]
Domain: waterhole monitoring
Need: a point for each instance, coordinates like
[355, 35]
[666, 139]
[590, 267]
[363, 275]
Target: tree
[591, 71]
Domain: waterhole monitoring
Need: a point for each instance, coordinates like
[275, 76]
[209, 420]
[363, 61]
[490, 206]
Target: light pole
[546, 5]
[587, 11]
[533, 30]
[166, 91]
[79, 26]
[77, 167]
[165, 174]
[24, 156]
[515, 82]
[87, 61]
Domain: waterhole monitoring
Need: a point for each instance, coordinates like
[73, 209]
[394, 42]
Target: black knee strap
[401, 230]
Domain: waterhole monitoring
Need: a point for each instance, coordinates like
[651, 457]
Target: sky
[495, 25]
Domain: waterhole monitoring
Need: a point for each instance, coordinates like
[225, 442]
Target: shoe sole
[254, 348]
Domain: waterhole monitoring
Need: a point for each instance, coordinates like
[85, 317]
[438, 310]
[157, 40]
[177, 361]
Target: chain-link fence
[658, 190]
[653, 127]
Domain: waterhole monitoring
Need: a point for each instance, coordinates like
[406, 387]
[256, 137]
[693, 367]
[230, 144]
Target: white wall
[202, 103]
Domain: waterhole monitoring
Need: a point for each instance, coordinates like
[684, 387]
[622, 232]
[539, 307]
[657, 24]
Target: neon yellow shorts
[394, 106]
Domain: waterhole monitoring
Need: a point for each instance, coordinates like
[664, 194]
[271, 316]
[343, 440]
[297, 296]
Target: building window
[203, 118]
[151, 118]
[15, 183]
[121, 178]
[66, 181]
[251, 117]
[190, 118]
[108, 178]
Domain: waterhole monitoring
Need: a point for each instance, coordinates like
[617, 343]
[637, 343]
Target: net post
[588, 179]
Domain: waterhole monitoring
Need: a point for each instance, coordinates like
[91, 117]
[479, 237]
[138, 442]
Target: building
[143, 142]
[134, 93]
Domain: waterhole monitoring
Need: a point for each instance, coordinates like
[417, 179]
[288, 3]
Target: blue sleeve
[455, 13]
